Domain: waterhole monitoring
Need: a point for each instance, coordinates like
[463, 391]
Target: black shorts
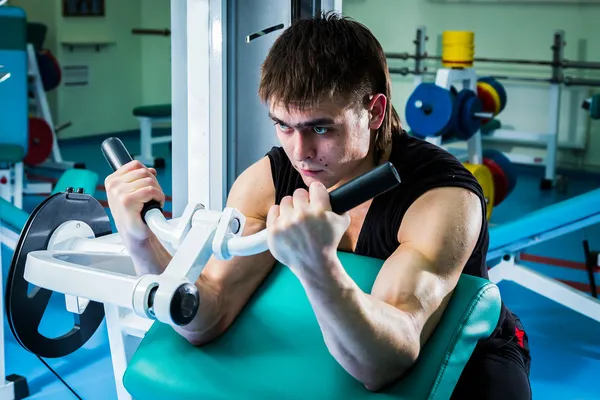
[499, 367]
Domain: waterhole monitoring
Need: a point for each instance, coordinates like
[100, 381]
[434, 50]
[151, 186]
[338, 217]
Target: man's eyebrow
[311, 123]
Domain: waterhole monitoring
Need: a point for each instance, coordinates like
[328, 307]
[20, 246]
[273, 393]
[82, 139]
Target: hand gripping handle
[117, 155]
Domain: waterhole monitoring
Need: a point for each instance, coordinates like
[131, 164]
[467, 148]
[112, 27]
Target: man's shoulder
[420, 159]
[253, 191]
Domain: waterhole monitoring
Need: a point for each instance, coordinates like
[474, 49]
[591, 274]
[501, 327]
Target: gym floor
[565, 346]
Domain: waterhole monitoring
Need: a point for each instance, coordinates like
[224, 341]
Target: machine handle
[364, 187]
[342, 199]
[117, 155]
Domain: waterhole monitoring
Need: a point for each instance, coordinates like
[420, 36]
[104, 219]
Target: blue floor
[565, 346]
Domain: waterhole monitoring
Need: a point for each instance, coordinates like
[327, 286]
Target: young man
[329, 94]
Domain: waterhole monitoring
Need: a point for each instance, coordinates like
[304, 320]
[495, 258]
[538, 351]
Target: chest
[358, 216]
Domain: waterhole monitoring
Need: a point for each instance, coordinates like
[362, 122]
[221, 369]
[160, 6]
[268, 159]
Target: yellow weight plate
[492, 92]
[486, 181]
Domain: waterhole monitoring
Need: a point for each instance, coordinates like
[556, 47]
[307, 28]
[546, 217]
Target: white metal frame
[509, 269]
[146, 155]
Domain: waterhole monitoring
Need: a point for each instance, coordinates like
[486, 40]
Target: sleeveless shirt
[422, 166]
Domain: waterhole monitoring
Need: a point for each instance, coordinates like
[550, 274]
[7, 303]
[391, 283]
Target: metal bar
[570, 81]
[563, 64]
[581, 64]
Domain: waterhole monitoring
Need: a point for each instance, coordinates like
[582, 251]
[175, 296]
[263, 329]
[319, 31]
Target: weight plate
[24, 311]
[486, 181]
[467, 124]
[490, 103]
[507, 166]
[499, 88]
[40, 141]
[429, 110]
[500, 181]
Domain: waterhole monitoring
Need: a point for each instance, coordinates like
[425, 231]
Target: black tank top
[422, 166]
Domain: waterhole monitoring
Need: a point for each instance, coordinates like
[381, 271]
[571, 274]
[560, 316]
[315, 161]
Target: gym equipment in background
[13, 102]
[41, 108]
[592, 105]
[90, 266]
[433, 111]
[547, 138]
[12, 221]
[508, 240]
[13, 147]
[149, 115]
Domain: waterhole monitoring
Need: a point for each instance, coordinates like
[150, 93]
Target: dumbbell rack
[446, 78]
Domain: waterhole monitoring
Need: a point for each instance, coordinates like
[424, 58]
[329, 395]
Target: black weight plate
[25, 311]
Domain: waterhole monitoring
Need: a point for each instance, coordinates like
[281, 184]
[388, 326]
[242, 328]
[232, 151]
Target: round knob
[80, 190]
[184, 304]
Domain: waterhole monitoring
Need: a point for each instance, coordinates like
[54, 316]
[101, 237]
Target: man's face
[331, 143]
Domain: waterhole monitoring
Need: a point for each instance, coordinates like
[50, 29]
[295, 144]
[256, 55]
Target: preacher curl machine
[67, 247]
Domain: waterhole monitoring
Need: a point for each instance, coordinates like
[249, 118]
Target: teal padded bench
[147, 116]
[275, 350]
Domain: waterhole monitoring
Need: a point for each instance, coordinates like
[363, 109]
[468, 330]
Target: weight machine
[556, 81]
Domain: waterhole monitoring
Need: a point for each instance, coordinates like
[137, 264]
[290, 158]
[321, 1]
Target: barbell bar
[563, 64]
[567, 80]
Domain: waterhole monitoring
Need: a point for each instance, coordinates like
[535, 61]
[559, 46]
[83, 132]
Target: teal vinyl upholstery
[275, 349]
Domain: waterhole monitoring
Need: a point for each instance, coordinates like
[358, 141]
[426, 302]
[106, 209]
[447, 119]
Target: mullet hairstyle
[329, 58]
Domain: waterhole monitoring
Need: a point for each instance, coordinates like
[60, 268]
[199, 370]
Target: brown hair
[329, 57]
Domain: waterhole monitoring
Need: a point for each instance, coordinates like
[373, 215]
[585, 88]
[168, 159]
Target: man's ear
[376, 108]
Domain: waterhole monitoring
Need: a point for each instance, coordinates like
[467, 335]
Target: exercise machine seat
[547, 219]
[11, 153]
[153, 111]
[275, 349]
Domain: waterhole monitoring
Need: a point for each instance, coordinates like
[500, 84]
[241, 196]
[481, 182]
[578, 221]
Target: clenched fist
[303, 232]
[128, 189]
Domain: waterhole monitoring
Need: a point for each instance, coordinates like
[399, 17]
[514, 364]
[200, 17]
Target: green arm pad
[77, 178]
[154, 111]
[275, 349]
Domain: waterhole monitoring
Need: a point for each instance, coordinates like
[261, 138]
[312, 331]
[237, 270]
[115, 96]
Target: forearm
[148, 256]
[374, 341]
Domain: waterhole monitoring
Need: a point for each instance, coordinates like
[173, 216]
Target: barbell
[432, 110]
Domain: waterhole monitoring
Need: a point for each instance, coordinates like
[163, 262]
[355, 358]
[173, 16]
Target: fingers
[319, 196]
[142, 195]
[272, 215]
[300, 199]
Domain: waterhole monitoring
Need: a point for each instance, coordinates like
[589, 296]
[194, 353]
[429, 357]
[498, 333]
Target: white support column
[179, 89]
[199, 90]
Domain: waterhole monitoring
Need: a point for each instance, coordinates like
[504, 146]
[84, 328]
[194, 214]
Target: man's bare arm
[376, 337]
[226, 285]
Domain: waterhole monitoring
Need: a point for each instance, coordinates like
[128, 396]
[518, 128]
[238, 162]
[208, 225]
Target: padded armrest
[275, 349]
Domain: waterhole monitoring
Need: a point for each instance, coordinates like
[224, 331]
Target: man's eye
[283, 127]
[320, 130]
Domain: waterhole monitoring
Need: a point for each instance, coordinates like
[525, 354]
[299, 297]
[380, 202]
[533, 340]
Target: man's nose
[303, 147]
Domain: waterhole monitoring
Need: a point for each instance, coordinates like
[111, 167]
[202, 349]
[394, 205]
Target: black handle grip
[364, 187]
[116, 155]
